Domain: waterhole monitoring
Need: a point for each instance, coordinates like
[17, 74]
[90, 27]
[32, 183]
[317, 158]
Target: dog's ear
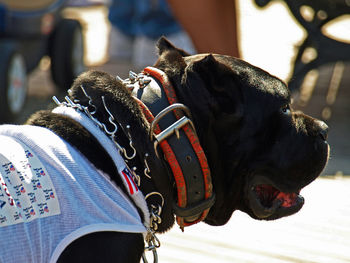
[164, 45]
[221, 85]
[171, 59]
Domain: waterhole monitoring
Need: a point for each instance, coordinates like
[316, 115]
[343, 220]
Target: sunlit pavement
[320, 232]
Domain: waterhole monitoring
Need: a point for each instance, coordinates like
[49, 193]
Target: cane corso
[260, 153]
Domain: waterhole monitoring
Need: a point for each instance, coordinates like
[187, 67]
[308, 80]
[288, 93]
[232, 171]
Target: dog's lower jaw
[265, 200]
[280, 204]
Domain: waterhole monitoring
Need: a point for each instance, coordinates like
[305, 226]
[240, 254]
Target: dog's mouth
[268, 202]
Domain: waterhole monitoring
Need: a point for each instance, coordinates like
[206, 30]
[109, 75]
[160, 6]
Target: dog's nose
[323, 130]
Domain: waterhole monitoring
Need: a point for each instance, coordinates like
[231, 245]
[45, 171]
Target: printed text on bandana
[26, 190]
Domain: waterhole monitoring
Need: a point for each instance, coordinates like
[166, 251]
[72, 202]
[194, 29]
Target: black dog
[260, 152]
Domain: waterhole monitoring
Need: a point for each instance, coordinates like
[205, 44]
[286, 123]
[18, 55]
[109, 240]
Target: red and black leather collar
[174, 133]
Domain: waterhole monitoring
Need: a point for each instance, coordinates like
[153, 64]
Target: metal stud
[143, 82]
[132, 76]
[54, 98]
[119, 79]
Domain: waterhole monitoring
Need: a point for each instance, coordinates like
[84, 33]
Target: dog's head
[260, 151]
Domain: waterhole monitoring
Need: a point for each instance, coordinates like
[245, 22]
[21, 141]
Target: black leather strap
[155, 99]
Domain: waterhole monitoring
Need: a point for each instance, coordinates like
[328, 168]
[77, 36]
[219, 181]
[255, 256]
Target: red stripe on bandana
[129, 181]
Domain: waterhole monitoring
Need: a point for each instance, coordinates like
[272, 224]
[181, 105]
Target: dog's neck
[193, 183]
[173, 132]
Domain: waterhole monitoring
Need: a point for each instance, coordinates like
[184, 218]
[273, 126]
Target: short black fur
[246, 127]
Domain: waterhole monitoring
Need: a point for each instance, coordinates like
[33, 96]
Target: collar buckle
[171, 129]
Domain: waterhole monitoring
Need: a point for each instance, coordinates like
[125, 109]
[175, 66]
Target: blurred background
[45, 44]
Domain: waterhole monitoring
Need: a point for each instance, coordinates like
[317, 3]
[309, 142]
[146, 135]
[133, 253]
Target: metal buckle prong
[160, 115]
[173, 128]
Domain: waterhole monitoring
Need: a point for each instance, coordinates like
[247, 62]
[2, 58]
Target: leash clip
[153, 243]
[173, 128]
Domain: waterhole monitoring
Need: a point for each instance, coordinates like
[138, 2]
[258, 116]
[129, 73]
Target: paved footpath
[319, 233]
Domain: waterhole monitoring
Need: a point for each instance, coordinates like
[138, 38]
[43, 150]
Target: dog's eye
[285, 109]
